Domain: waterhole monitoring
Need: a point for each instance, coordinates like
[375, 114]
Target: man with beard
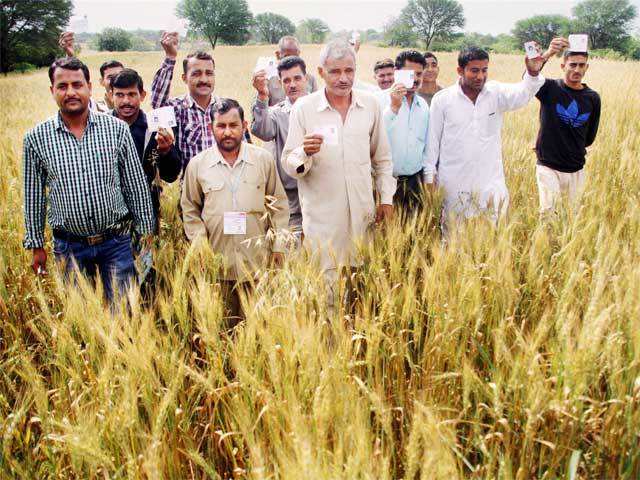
[336, 139]
[193, 110]
[465, 142]
[569, 120]
[232, 196]
[272, 123]
[86, 166]
[406, 119]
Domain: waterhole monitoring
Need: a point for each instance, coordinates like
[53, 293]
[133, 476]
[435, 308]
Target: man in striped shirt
[193, 110]
[85, 165]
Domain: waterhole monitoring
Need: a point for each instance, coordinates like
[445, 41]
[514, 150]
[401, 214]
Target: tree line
[29, 30]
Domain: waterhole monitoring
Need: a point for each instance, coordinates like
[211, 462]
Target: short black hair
[127, 78]
[568, 53]
[109, 64]
[410, 56]
[469, 54]
[200, 55]
[430, 55]
[288, 63]
[225, 105]
[69, 63]
[380, 64]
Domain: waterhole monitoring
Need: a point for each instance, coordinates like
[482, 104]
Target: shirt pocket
[215, 197]
[193, 134]
[490, 124]
[252, 196]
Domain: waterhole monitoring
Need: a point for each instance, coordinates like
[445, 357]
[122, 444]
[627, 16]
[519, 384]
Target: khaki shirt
[335, 186]
[206, 196]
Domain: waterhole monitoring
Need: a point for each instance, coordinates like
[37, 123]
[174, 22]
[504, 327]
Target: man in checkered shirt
[85, 165]
[193, 110]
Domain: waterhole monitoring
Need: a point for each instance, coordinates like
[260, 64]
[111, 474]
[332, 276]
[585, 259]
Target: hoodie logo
[571, 115]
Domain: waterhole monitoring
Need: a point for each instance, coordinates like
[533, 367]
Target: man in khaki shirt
[232, 194]
[336, 138]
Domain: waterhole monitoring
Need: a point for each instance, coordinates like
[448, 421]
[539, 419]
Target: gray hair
[335, 50]
[286, 39]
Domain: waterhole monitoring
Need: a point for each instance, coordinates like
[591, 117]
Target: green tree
[398, 34]
[114, 40]
[607, 22]
[541, 28]
[226, 20]
[29, 31]
[313, 30]
[271, 27]
[431, 19]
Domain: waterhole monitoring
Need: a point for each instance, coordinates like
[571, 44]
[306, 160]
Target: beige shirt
[207, 195]
[335, 186]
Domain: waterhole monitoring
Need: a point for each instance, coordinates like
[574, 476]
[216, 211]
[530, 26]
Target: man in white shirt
[465, 144]
[336, 138]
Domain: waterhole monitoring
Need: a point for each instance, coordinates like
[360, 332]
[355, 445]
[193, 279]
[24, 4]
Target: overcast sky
[484, 16]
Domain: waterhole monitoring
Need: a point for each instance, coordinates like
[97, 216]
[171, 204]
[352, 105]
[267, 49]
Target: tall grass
[510, 353]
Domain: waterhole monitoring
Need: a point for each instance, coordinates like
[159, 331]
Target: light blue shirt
[407, 132]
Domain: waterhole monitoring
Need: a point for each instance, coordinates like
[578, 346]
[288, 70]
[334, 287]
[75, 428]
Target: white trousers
[552, 184]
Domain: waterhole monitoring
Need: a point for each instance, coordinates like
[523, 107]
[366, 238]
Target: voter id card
[578, 43]
[163, 117]
[329, 134]
[235, 223]
[269, 65]
[405, 77]
[532, 50]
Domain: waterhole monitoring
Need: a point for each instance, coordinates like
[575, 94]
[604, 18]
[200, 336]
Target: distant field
[513, 353]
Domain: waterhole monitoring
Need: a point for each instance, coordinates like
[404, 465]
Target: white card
[405, 77]
[578, 43]
[163, 117]
[532, 50]
[269, 65]
[355, 36]
[235, 223]
[329, 134]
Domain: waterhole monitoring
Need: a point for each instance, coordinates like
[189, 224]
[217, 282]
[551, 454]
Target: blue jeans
[113, 259]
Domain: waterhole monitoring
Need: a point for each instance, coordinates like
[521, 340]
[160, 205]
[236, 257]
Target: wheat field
[509, 353]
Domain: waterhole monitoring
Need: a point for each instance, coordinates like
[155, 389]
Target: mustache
[203, 84]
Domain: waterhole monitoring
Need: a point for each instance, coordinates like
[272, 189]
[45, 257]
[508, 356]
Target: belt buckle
[95, 239]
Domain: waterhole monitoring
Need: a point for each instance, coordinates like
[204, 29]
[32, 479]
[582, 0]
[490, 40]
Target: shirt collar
[356, 99]
[243, 156]
[59, 124]
[191, 103]
[141, 121]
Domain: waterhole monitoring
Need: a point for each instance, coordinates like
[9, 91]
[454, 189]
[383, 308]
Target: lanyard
[235, 185]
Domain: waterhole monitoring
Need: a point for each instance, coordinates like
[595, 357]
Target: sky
[483, 16]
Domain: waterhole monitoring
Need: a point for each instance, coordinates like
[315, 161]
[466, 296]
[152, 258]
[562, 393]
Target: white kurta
[335, 185]
[465, 144]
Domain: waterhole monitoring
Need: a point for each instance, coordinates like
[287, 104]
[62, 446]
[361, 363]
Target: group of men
[336, 160]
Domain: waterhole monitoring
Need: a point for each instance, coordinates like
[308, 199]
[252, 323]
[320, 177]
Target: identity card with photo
[578, 43]
[405, 77]
[235, 223]
[164, 117]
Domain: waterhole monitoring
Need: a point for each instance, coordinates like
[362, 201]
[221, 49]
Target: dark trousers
[408, 196]
[112, 259]
[231, 292]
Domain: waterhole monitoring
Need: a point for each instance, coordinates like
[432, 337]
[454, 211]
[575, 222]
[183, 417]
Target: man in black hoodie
[569, 119]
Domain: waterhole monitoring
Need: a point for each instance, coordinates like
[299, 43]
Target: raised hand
[169, 42]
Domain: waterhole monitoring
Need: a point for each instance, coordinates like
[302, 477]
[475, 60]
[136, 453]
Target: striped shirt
[194, 122]
[92, 184]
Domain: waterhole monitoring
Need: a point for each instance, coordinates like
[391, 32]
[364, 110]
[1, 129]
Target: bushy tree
[29, 31]
[431, 19]
[226, 20]
[271, 27]
[541, 28]
[312, 30]
[607, 22]
[398, 34]
[114, 40]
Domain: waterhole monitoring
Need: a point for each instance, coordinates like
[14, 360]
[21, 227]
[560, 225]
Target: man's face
[575, 67]
[418, 69]
[105, 81]
[338, 75]
[384, 77]
[71, 91]
[200, 77]
[474, 74]
[431, 71]
[126, 102]
[294, 83]
[228, 130]
[289, 49]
